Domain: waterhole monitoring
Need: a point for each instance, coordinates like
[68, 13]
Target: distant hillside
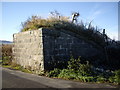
[5, 42]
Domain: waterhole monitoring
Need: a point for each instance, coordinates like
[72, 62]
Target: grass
[8, 64]
[17, 68]
[89, 33]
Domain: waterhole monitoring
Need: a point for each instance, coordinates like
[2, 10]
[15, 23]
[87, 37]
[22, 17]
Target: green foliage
[15, 66]
[85, 72]
[67, 74]
[0, 61]
[6, 54]
[85, 78]
[101, 79]
[76, 65]
[25, 70]
[111, 79]
[6, 60]
[117, 76]
[85, 69]
[54, 73]
[6, 50]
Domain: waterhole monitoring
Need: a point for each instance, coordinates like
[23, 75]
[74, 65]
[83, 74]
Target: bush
[76, 65]
[54, 73]
[6, 61]
[85, 78]
[117, 76]
[67, 74]
[85, 72]
[101, 79]
[6, 54]
[7, 50]
[111, 79]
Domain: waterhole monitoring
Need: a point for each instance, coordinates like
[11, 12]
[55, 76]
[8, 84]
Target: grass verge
[17, 67]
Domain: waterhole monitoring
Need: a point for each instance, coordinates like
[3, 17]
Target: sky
[102, 14]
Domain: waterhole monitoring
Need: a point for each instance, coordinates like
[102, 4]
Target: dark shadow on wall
[59, 46]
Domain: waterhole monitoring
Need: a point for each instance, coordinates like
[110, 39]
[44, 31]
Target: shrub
[76, 65]
[6, 61]
[6, 54]
[67, 74]
[54, 73]
[7, 50]
[112, 79]
[101, 79]
[117, 76]
[85, 78]
[86, 69]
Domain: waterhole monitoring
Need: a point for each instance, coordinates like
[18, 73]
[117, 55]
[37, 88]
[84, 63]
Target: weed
[85, 73]
[67, 74]
[117, 76]
[54, 73]
[90, 33]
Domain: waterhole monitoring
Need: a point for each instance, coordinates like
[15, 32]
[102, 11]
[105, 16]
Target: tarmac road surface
[18, 79]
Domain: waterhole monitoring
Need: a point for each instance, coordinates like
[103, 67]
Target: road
[18, 79]
[12, 81]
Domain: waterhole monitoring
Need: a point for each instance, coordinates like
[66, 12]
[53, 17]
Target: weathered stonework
[28, 49]
[37, 48]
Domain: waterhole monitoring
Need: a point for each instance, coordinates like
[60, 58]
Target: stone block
[37, 47]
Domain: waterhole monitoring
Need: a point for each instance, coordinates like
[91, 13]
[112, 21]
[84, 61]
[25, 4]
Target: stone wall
[38, 48]
[28, 49]
[61, 45]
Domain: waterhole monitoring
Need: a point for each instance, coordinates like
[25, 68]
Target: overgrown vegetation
[89, 32]
[76, 69]
[85, 72]
[14, 66]
[7, 63]
[6, 54]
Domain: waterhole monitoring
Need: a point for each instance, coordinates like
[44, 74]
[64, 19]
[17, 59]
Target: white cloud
[94, 14]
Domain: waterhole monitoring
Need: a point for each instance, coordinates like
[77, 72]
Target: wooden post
[105, 47]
